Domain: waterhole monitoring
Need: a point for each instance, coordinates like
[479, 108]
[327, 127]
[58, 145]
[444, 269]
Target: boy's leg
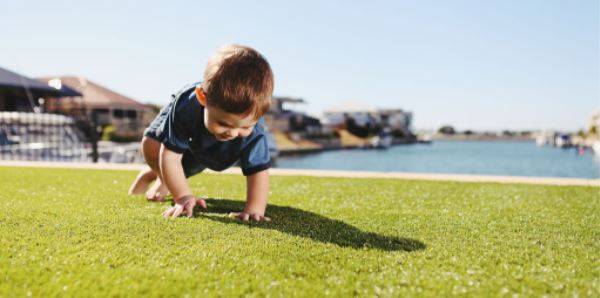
[142, 181]
[191, 167]
[150, 150]
[158, 191]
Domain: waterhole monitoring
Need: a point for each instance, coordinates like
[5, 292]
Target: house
[364, 120]
[103, 106]
[280, 119]
[362, 115]
[291, 129]
[399, 121]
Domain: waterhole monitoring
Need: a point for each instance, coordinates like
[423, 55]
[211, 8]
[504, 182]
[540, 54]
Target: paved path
[329, 173]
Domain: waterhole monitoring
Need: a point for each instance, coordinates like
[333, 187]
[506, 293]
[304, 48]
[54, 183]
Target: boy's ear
[200, 96]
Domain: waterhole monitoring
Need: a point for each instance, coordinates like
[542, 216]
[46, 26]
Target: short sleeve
[256, 157]
[179, 126]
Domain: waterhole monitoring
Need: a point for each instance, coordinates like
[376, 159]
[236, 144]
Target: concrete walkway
[330, 173]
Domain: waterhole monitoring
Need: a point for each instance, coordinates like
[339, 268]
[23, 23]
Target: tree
[447, 130]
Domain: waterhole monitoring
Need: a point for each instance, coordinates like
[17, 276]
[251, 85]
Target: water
[457, 157]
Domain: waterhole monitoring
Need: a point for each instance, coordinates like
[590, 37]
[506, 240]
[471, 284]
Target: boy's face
[225, 126]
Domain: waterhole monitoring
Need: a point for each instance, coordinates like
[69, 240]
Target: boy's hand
[257, 187]
[246, 216]
[184, 205]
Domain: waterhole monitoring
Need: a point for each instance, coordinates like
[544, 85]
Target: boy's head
[236, 91]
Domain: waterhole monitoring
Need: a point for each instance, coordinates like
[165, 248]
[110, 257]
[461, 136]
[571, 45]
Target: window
[131, 114]
[118, 113]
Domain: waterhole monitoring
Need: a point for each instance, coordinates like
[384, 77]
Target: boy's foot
[142, 182]
[157, 192]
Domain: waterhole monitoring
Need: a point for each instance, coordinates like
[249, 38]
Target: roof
[95, 95]
[358, 107]
[289, 99]
[9, 79]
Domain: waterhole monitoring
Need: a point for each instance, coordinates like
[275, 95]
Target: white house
[363, 115]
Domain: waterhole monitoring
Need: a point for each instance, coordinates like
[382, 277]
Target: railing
[41, 137]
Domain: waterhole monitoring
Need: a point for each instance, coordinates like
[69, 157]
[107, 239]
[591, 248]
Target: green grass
[77, 233]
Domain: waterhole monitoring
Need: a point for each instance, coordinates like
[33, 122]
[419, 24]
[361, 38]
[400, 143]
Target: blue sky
[482, 65]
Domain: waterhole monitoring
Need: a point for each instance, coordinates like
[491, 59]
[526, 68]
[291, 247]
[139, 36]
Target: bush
[447, 130]
[109, 133]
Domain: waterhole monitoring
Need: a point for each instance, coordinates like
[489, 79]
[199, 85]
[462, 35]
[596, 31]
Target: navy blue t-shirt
[180, 127]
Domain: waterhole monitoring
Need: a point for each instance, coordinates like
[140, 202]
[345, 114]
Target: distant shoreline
[336, 173]
[481, 138]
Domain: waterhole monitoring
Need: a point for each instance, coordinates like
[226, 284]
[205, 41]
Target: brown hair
[238, 80]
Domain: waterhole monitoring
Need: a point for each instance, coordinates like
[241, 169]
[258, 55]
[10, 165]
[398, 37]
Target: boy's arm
[172, 173]
[174, 178]
[257, 192]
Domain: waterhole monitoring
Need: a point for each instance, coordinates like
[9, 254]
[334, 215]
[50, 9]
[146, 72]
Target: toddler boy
[212, 125]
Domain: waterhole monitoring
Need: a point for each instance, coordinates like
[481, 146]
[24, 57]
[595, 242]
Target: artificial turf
[77, 233]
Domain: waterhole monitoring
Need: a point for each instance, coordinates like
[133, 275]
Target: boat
[424, 139]
[596, 148]
[563, 141]
[545, 138]
[381, 141]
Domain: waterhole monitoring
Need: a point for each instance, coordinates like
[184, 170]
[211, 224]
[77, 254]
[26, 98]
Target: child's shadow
[310, 225]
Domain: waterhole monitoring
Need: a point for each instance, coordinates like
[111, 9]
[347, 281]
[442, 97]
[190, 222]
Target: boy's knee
[150, 149]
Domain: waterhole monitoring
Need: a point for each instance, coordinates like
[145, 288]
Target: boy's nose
[233, 133]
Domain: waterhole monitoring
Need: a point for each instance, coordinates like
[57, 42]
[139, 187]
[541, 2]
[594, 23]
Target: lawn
[77, 233]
